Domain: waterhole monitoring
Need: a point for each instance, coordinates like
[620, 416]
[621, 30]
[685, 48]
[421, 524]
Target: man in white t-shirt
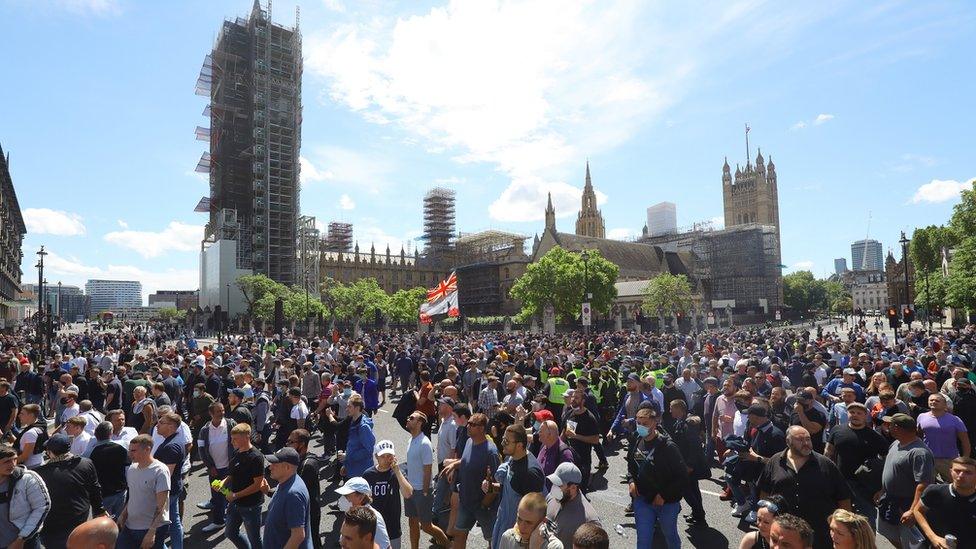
[30, 454]
[145, 517]
[71, 408]
[121, 434]
[299, 410]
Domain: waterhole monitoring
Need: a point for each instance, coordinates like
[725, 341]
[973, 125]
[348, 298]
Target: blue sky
[866, 109]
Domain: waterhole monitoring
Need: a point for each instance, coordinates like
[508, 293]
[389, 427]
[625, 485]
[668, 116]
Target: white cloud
[621, 233]
[346, 203]
[72, 271]
[533, 103]
[939, 190]
[90, 7]
[123, 224]
[177, 236]
[311, 174]
[335, 5]
[805, 265]
[909, 162]
[822, 118]
[521, 199]
[348, 168]
[56, 222]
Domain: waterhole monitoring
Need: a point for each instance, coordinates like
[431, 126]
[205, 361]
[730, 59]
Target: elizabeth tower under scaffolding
[253, 79]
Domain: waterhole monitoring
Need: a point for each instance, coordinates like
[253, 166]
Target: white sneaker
[212, 527]
[740, 510]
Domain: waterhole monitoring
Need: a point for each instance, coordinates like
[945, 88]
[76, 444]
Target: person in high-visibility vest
[555, 390]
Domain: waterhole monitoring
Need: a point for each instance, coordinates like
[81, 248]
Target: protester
[769, 509]
[388, 482]
[97, 533]
[111, 461]
[144, 521]
[242, 489]
[518, 476]
[286, 524]
[790, 532]
[659, 477]
[309, 472]
[530, 527]
[950, 508]
[356, 492]
[478, 462]
[27, 501]
[909, 469]
[358, 529]
[850, 531]
[73, 485]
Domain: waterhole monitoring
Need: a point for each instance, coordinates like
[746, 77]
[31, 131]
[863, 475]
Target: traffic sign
[586, 314]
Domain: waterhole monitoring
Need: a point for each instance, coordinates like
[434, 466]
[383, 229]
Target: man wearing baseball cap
[356, 492]
[568, 508]
[287, 521]
[909, 468]
[388, 483]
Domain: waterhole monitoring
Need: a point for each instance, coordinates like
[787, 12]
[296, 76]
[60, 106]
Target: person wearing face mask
[964, 404]
[566, 506]
[812, 486]
[355, 493]
[659, 476]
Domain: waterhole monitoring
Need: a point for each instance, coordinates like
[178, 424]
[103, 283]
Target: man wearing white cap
[387, 481]
[357, 492]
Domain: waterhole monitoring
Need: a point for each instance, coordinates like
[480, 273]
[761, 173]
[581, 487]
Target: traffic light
[892, 317]
[908, 315]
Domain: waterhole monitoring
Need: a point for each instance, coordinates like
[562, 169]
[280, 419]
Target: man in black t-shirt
[113, 392]
[388, 482]
[582, 432]
[171, 453]
[805, 415]
[246, 471]
[309, 471]
[111, 460]
[851, 446]
[950, 508]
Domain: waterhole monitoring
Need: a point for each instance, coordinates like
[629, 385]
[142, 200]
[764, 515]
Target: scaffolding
[438, 222]
[308, 254]
[487, 246]
[253, 79]
[338, 237]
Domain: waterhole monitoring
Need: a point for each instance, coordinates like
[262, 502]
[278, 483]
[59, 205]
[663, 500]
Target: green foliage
[961, 285]
[667, 293]
[803, 292]
[360, 299]
[260, 293]
[300, 306]
[171, 313]
[404, 305]
[558, 278]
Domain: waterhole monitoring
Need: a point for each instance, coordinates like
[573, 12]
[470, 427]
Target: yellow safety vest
[557, 389]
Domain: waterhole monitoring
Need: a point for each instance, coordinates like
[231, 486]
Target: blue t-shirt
[288, 509]
[475, 462]
[419, 454]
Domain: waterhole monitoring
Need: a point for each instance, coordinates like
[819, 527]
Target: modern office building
[840, 265]
[662, 218]
[866, 255]
[183, 299]
[11, 239]
[253, 79]
[107, 295]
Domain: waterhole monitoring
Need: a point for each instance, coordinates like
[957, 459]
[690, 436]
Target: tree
[360, 299]
[404, 305]
[168, 314]
[258, 291]
[329, 294]
[799, 290]
[838, 300]
[299, 306]
[558, 278]
[667, 293]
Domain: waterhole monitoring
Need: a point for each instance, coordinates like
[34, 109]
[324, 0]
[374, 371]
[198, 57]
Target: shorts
[466, 518]
[419, 506]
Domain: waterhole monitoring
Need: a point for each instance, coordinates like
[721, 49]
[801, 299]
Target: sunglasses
[769, 506]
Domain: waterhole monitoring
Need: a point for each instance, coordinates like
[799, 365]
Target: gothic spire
[589, 184]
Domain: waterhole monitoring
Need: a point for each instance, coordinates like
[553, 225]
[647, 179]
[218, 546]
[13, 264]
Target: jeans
[113, 504]
[175, 522]
[250, 517]
[218, 503]
[645, 515]
[132, 539]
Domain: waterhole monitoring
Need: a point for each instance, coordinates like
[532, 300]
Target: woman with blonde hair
[851, 531]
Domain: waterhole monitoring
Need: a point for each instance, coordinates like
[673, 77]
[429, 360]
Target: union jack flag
[445, 287]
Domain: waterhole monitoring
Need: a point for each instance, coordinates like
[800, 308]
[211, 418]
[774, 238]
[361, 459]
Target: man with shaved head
[97, 533]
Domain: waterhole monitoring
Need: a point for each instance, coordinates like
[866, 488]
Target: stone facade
[895, 275]
[590, 219]
[392, 271]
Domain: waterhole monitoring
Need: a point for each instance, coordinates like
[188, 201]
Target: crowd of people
[818, 438]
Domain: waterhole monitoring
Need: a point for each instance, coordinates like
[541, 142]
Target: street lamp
[40, 298]
[59, 301]
[308, 317]
[585, 255]
[904, 260]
